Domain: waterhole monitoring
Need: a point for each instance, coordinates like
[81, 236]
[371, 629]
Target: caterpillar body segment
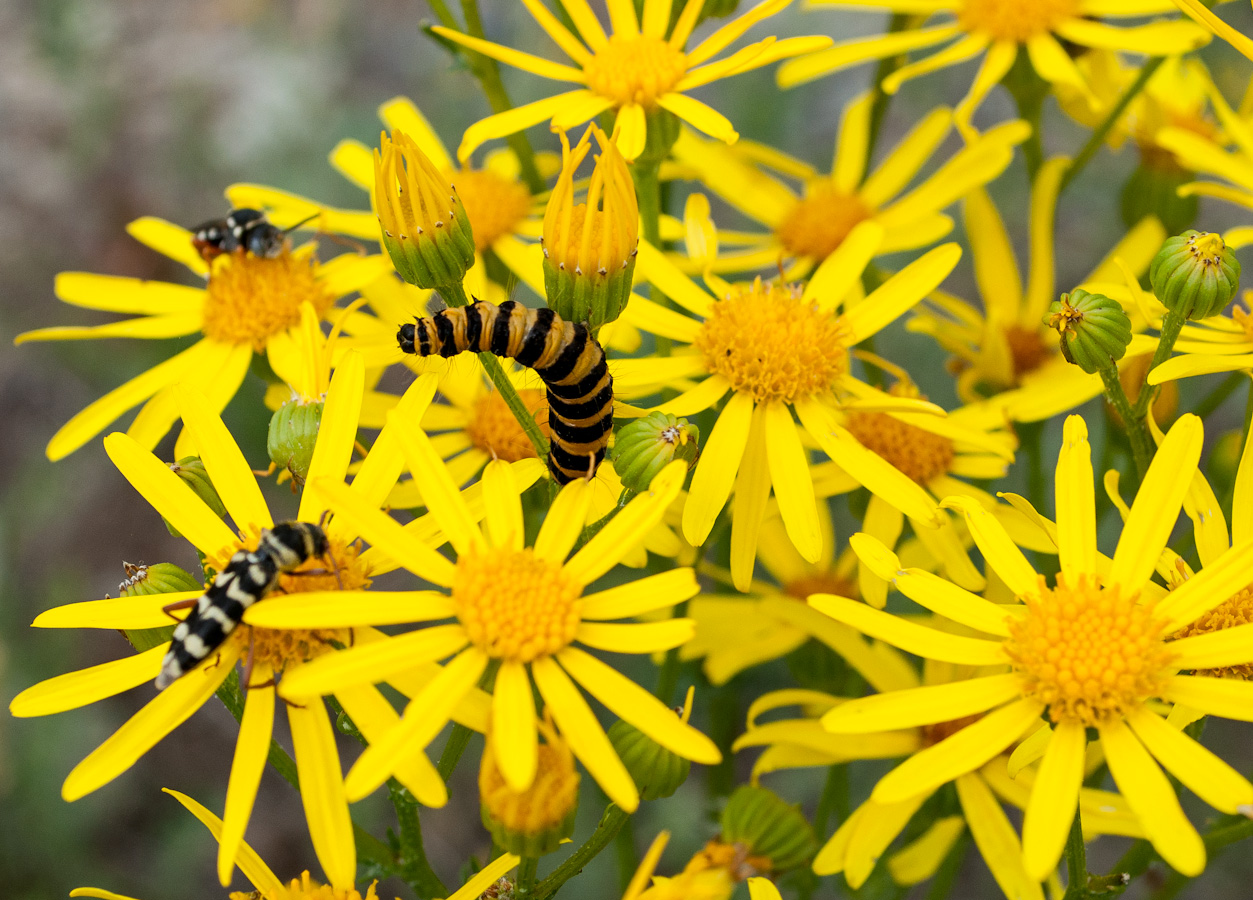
[565, 356]
[247, 578]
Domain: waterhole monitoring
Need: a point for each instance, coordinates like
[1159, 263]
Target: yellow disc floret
[1014, 20]
[305, 888]
[919, 454]
[546, 805]
[1233, 612]
[493, 429]
[820, 222]
[514, 605]
[1090, 653]
[635, 69]
[494, 205]
[251, 299]
[770, 343]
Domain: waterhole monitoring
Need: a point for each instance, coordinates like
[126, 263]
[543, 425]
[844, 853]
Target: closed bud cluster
[1195, 275]
[145, 581]
[767, 827]
[292, 436]
[424, 225]
[1094, 330]
[191, 472]
[534, 821]
[646, 446]
[590, 247]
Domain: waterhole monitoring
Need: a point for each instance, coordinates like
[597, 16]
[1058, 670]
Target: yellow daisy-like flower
[1096, 649]
[1007, 350]
[636, 70]
[1203, 15]
[519, 610]
[249, 305]
[807, 226]
[275, 652]
[998, 30]
[778, 350]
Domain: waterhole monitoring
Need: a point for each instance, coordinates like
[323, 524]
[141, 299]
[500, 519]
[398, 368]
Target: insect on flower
[247, 578]
[242, 231]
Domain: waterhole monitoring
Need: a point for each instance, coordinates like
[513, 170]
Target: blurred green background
[113, 109]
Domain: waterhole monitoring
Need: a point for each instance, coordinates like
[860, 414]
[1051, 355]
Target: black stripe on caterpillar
[565, 356]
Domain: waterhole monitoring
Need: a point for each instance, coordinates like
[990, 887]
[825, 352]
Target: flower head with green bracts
[249, 305]
[275, 652]
[808, 225]
[518, 611]
[1096, 649]
[999, 31]
[642, 67]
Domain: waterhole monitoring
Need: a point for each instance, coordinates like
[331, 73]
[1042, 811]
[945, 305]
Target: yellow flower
[249, 305]
[1007, 350]
[808, 226]
[999, 30]
[635, 70]
[276, 651]
[1093, 650]
[1199, 12]
[519, 610]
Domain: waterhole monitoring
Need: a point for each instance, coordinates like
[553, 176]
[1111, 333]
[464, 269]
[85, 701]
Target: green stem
[1028, 90]
[624, 850]
[880, 98]
[1215, 398]
[648, 195]
[1033, 446]
[455, 296]
[412, 863]
[610, 823]
[1229, 830]
[1076, 862]
[833, 801]
[524, 887]
[1102, 131]
[232, 698]
[458, 740]
[1172, 325]
[1137, 429]
[942, 886]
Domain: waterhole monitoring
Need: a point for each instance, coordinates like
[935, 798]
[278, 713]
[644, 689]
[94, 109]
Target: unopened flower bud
[1094, 329]
[425, 227]
[759, 820]
[646, 446]
[534, 821]
[293, 434]
[655, 770]
[144, 581]
[589, 248]
[1194, 274]
[192, 472]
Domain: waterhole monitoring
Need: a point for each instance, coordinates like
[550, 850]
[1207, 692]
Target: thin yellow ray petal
[922, 857]
[1224, 697]
[116, 613]
[852, 144]
[848, 53]
[514, 120]
[587, 740]
[760, 888]
[503, 506]
[337, 433]
[75, 689]
[251, 749]
[1054, 799]
[952, 602]
[564, 521]
[169, 239]
[1200, 770]
[570, 44]
[907, 158]
[647, 637]
[1001, 553]
[996, 839]
[585, 21]
[1076, 502]
[169, 495]
[486, 877]
[625, 530]
[629, 701]
[1214, 584]
[1152, 798]
[748, 504]
[343, 609]
[923, 705]
[996, 65]
[879, 826]
[527, 62]
[251, 864]
[147, 328]
[137, 296]
[1199, 12]
[958, 754]
[384, 463]
[645, 595]
[704, 396]
[385, 533]
[996, 269]
[957, 52]
[231, 475]
[1155, 38]
[830, 859]
[1157, 505]
[142, 731]
[373, 662]
[322, 792]
[374, 716]
[98, 893]
[661, 272]
[587, 106]
[901, 292]
[831, 282]
[513, 726]
[793, 486]
[401, 113]
[731, 31]
[910, 636]
[657, 319]
[442, 497]
[700, 116]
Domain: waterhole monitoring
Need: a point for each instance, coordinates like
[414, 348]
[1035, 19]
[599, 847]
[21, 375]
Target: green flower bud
[768, 827]
[192, 471]
[1153, 189]
[1194, 274]
[645, 447]
[293, 434]
[656, 771]
[144, 581]
[1094, 329]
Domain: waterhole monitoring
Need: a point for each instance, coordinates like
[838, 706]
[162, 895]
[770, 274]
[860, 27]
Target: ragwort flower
[1094, 650]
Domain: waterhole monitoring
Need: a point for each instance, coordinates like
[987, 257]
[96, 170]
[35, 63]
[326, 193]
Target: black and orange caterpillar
[563, 354]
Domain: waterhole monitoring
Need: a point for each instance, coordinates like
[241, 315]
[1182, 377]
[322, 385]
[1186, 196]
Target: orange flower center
[818, 224]
[494, 205]
[1014, 20]
[635, 69]
[919, 454]
[546, 804]
[770, 343]
[305, 888]
[251, 299]
[1232, 612]
[516, 606]
[1027, 349]
[820, 583]
[933, 734]
[1090, 653]
[493, 429]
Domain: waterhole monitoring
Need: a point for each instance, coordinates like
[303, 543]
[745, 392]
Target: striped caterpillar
[563, 354]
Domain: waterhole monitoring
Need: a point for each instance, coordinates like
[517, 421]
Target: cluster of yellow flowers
[643, 461]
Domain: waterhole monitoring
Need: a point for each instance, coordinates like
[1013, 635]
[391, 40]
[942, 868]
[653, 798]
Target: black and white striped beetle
[242, 231]
[247, 578]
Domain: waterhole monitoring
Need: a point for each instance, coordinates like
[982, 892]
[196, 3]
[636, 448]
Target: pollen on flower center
[635, 69]
[770, 343]
[1089, 653]
[251, 299]
[494, 205]
[917, 453]
[820, 583]
[514, 605]
[305, 888]
[1014, 20]
[493, 429]
[1027, 349]
[1236, 610]
[820, 222]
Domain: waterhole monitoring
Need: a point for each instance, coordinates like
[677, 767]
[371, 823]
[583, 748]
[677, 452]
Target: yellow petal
[923, 705]
[998, 549]
[748, 505]
[342, 609]
[438, 489]
[1054, 799]
[793, 486]
[901, 292]
[251, 749]
[1200, 770]
[371, 663]
[486, 877]
[996, 839]
[645, 595]
[120, 612]
[75, 689]
[1076, 502]
[374, 716]
[646, 637]
[253, 867]
[1225, 697]
[322, 792]
[514, 120]
[564, 522]
[841, 271]
[172, 240]
[337, 432]
[878, 827]
[225, 463]
[910, 636]
[700, 116]
[513, 726]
